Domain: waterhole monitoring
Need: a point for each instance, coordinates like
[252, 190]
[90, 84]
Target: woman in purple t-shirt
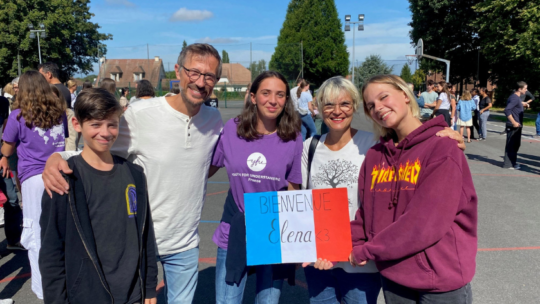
[36, 129]
[262, 151]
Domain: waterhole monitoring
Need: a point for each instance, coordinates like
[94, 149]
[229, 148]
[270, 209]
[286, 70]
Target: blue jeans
[483, 124]
[180, 273]
[13, 212]
[337, 286]
[538, 124]
[268, 290]
[308, 126]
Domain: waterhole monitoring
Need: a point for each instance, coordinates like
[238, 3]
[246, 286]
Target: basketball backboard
[419, 48]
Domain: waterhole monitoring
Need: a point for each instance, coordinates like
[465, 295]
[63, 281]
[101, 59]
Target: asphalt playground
[508, 259]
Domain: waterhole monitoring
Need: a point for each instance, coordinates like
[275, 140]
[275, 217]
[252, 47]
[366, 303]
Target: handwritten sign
[297, 226]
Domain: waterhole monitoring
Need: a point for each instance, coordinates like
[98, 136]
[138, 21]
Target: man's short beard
[187, 100]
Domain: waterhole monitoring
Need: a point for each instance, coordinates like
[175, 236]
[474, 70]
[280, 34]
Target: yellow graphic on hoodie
[384, 174]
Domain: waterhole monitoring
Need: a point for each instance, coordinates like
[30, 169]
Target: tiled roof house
[126, 71]
[234, 74]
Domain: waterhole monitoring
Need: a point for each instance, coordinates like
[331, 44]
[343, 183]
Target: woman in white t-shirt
[336, 163]
[444, 103]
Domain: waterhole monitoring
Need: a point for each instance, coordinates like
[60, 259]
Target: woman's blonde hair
[9, 89]
[466, 96]
[332, 88]
[71, 83]
[39, 106]
[398, 84]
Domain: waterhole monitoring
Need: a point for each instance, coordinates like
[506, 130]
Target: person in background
[51, 72]
[72, 87]
[109, 85]
[246, 97]
[429, 97]
[514, 126]
[212, 101]
[305, 108]
[145, 90]
[476, 114]
[484, 105]
[423, 240]
[527, 98]
[87, 85]
[294, 95]
[444, 104]
[267, 128]
[37, 130]
[70, 144]
[124, 102]
[465, 107]
[134, 97]
[453, 102]
[8, 91]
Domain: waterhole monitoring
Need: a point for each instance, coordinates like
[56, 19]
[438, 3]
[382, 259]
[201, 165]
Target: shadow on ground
[17, 265]
[528, 163]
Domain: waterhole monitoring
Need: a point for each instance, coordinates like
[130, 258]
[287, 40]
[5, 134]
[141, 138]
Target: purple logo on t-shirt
[256, 162]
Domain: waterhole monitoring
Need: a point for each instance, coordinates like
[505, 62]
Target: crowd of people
[96, 222]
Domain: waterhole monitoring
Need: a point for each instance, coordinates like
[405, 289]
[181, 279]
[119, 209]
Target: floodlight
[30, 26]
[43, 35]
[360, 27]
[347, 17]
[32, 35]
[41, 25]
[361, 17]
[347, 28]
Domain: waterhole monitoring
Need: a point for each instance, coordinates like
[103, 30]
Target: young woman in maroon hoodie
[418, 217]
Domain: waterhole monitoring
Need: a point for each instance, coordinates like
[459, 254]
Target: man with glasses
[173, 139]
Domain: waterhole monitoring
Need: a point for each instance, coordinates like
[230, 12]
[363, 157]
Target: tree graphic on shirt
[335, 173]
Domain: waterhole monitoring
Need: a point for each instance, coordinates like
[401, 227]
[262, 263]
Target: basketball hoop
[410, 59]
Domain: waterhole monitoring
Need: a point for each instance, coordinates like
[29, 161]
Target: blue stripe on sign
[210, 222]
[262, 228]
[218, 182]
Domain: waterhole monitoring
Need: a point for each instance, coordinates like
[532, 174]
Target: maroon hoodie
[418, 215]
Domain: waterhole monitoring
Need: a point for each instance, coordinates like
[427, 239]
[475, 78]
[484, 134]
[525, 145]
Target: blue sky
[232, 25]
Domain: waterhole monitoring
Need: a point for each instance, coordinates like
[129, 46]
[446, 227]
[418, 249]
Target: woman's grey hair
[15, 80]
[332, 88]
[201, 49]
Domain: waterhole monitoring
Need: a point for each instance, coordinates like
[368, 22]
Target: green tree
[184, 45]
[406, 73]
[510, 41]
[73, 42]
[448, 31]
[373, 65]
[315, 24]
[170, 75]
[257, 67]
[418, 78]
[224, 56]
[89, 78]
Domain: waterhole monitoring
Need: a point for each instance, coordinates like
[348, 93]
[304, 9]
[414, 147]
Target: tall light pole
[348, 23]
[33, 35]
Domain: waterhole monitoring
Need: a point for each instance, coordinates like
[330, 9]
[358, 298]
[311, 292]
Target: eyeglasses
[194, 75]
[345, 106]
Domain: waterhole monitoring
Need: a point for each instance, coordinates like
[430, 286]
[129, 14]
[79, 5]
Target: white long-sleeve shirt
[175, 152]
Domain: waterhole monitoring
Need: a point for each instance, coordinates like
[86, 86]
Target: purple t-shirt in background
[34, 146]
[266, 164]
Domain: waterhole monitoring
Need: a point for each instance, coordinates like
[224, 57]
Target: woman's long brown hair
[288, 122]
[39, 106]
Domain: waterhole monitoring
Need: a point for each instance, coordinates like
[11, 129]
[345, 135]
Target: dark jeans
[475, 125]
[446, 114]
[399, 294]
[337, 286]
[12, 211]
[308, 127]
[513, 142]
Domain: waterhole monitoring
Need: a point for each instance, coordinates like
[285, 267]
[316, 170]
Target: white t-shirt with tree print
[339, 169]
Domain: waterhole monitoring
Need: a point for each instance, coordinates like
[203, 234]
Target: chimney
[156, 58]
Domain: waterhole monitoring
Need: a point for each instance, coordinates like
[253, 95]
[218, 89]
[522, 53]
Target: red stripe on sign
[332, 224]
[509, 248]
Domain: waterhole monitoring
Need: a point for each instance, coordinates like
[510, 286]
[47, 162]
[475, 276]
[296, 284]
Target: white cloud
[216, 40]
[184, 14]
[120, 2]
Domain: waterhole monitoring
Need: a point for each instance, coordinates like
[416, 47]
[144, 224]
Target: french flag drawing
[297, 226]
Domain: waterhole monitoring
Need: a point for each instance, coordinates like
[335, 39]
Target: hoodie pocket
[79, 276]
[412, 272]
[28, 240]
[421, 260]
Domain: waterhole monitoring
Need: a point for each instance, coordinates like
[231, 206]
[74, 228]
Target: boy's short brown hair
[96, 103]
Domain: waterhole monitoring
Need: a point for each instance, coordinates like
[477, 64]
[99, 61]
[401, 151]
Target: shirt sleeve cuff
[359, 254]
[150, 293]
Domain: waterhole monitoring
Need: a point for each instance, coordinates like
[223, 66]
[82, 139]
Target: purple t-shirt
[266, 164]
[34, 145]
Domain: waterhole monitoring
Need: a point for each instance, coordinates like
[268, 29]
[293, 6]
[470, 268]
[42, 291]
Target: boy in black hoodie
[98, 242]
